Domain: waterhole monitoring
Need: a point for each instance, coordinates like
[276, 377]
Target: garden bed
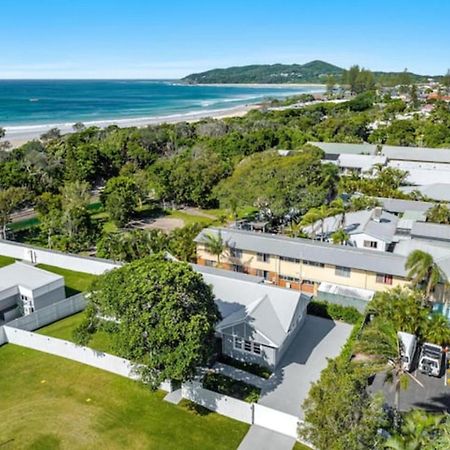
[255, 369]
[233, 388]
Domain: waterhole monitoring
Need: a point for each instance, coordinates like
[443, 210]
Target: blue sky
[171, 38]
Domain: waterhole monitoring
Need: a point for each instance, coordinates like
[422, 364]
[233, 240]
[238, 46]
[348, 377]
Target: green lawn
[50, 403]
[6, 261]
[63, 329]
[75, 281]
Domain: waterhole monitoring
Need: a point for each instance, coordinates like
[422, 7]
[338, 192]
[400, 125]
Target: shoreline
[18, 135]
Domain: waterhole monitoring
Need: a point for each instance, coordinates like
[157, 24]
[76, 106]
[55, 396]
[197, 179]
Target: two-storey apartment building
[343, 274]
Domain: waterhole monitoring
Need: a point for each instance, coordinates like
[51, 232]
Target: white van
[408, 345]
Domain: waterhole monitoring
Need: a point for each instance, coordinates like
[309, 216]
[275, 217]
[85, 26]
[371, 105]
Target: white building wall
[358, 240]
[37, 255]
[278, 421]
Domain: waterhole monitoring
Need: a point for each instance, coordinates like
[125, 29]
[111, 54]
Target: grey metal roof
[440, 251]
[429, 230]
[359, 222]
[362, 162]
[335, 148]
[396, 205]
[439, 155]
[265, 309]
[26, 276]
[307, 249]
[438, 191]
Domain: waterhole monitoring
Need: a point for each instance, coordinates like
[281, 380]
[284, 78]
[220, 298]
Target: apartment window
[384, 278]
[313, 263]
[209, 263]
[370, 244]
[235, 253]
[238, 343]
[262, 257]
[292, 260]
[308, 282]
[247, 346]
[262, 273]
[341, 271]
[288, 278]
[256, 348]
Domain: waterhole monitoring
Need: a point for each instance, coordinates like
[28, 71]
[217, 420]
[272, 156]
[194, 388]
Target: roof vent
[376, 213]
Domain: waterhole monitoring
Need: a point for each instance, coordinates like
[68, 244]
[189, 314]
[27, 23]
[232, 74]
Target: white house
[371, 229]
[25, 288]
[259, 320]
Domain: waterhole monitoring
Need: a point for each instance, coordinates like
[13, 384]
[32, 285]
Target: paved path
[174, 397]
[302, 363]
[240, 375]
[259, 438]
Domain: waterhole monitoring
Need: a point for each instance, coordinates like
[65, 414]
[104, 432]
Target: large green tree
[164, 314]
[10, 200]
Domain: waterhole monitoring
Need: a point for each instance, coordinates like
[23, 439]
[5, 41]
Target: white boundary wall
[69, 350]
[36, 255]
[275, 420]
[222, 404]
[50, 314]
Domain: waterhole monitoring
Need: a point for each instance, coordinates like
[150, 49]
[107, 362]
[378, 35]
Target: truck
[407, 346]
[430, 361]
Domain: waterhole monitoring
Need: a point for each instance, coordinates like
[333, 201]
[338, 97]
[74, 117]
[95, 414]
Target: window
[384, 278]
[292, 260]
[308, 282]
[247, 346]
[237, 268]
[235, 253]
[370, 244]
[256, 348]
[262, 257]
[209, 263]
[341, 271]
[238, 343]
[262, 273]
[313, 263]
[288, 278]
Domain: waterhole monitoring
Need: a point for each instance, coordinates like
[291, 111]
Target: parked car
[430, 361]
[408, 346]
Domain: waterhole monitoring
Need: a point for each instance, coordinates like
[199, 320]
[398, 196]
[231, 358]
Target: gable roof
[427, 230]
[396, 205]
[307, 249]
[362, 162]
[438, 155]
[436, 191]
[265, 310]
[336, 148]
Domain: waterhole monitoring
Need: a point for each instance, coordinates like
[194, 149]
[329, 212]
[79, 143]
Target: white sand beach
[19, 135]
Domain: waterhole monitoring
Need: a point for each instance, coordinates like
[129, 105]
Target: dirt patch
[166, 224]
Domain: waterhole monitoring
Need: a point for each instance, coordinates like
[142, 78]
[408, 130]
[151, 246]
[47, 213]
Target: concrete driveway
[306, 357]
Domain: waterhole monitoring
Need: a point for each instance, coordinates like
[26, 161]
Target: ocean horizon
[27, 105]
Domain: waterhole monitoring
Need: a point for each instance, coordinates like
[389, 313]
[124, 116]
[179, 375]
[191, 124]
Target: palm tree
[423, 270]
[317, 215]
[214, 244]
[418, 431]
[437, 330]
[340, 237]
[439, 213]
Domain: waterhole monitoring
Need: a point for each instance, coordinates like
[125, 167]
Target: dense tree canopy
[164, 317]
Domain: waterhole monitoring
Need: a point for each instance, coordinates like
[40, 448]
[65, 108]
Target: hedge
[333, 311]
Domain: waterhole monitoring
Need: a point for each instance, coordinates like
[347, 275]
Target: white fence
[222, 404]
[69, 350]
[50, 314]
[38, 255]
[275, 420]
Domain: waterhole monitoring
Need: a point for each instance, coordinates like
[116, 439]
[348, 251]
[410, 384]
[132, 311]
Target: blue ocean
[38, 102]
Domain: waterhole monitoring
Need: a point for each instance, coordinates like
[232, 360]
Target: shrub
[228, 386]
[347, 314]
[253, 368]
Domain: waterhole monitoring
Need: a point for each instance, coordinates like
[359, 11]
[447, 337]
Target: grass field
[75, 281]
[50, 403]
[6, 261]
